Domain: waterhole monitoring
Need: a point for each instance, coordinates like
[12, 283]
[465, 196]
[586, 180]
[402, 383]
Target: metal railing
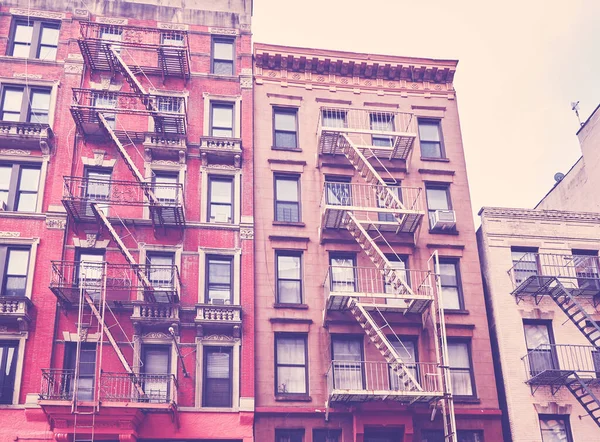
[59, 385]
[370, 285]
[218, 313]
[122, 282]
[221, 145]
[561, 358]
[366, 121]
[155, 312]
[576, 271]
[129, 193]
[136, 36]
[353, 196]
[374, 377]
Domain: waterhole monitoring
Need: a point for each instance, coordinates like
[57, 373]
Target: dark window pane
[16, 272]
[223, 67]
[287, 212]
[327, 435]
[8, 366]
[291, 365]
[217, 377]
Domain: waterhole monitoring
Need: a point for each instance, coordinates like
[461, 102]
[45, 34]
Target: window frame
[290, 111]
[25, 112]
[222, 104]
[294, 434]
[438, 435]
[459, 283]
[5, 250]
[468, 344]
[216, 349]
[438, 186]
[304, 337]
[69, 364]
[15, 184]
[322, 434]
[213, 59]
[207, 284]
[287, 177]
[343, 255]
[289, 253]
[36, 36]
[438, 123]
[8, 343]
[231, 180]
[558, 417]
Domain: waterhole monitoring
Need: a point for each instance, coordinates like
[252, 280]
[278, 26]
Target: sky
[521, 64]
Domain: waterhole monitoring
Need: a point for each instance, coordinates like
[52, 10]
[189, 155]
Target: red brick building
[126, 222]
[362, 180]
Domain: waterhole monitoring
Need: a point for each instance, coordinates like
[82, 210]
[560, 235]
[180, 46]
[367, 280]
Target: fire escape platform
[384, 302]
[340, 395]
[399, 149]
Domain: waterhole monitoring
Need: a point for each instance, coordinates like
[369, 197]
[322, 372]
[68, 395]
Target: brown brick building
[360, 179]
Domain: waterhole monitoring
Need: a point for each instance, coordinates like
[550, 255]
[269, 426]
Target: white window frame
[236, 174]
[237, 107]
[235, 255]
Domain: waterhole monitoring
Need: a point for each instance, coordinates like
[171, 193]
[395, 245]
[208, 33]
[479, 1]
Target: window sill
[467, 399]
[443, 232]
[15, 214]
[456, 312]
[287, 149]
[289, 224]
[293, 398]
[292, 306]
[213, 409]
[437, 160]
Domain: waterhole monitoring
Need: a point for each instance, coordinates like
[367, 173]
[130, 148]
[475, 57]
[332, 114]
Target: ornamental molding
[247, 233]
[246, 82]
[223, 31]
[38, 14]
[4, 234]
[56, 223]
[81, 13]
[544, 215]
[75, 57]
[219, 338]
[14, 152]
[28, 76]
[246, 71]
[173, 26]
[156, 335]
[111, 21]
[71, 68]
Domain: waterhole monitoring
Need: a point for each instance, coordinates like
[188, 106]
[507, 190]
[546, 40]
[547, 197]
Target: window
[285, 128]
[221, 120]
[407, 350]
[289, 277]
[219, 281]
[461, 371]
[438, 198]
[156, 366]
[97, 189]
[343, 273]
[103, 100]
[524, 264]
[382, 122]
[587, 271]
[165, 187]
[87, 370]
[161, 273]
[90, 270]
[172, 39]
[289, 435]
[396, 190]
[339, 190]
[220, 199]
[19, 187]
[327, 435]
[222, 56]
[399, 263]
[555, 429]
[14, 262]
[451, 285]
[383, 435]
[541, 353]
[112, 34]
[34, 39]
[217, 384]
[287, 199]
[430, 138]
[463, 436]
[291, 366]
[335, 118]
[8, 368]
[347, 355]
[25, 104]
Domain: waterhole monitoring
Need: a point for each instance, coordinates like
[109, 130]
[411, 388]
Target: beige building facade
[540, 271]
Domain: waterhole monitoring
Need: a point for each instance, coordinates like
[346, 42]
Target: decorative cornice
[544, 215]
[38, 14]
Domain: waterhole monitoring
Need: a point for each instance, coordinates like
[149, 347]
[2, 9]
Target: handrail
[562, 358]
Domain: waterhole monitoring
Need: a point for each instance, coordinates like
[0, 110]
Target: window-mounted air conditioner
[443, 220]
[220, 218]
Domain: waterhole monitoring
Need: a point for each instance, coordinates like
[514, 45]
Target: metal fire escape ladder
[441, 348]
[576, 313]
[382, 343]
[585, 396]
[366, 170]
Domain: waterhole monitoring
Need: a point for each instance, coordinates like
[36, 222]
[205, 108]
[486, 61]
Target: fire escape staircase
[585, 396]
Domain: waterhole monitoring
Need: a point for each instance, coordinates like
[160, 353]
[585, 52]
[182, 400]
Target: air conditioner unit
[2, 206]
[221, 218]
[217, 301]
[443, 220]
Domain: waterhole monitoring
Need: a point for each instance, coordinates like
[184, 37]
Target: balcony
[167, 111]
[152, 313]
[555, 364]
[384, 134]
[24, 135]
[361, 381]
[229, 149]
[368, 286]
[146, 391]
[373, 206]
[213, 314]
[154, 51]
[122, 283]
[167, 208]
[535, 274]
[14, 310]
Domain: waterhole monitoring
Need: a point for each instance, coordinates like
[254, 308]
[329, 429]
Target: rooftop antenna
[575, 107]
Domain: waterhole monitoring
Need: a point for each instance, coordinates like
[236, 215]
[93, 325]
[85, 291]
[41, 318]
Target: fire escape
[101, 290]
[573, 283]
[370, 212]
